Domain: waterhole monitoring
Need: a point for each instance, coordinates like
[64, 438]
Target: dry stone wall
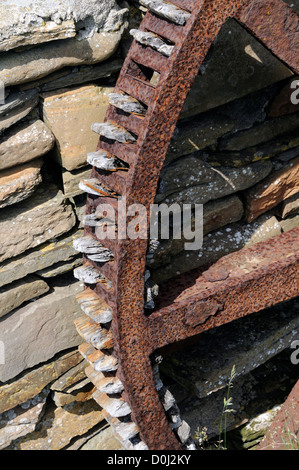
[235, 150]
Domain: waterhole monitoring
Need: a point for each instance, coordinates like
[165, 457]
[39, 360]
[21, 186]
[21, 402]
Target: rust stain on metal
[283, 432]
[216, 274]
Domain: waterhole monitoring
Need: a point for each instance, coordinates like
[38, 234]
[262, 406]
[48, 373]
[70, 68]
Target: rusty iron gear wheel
[120, 339]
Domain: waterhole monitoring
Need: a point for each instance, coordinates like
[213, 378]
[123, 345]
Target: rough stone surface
[22, 420]
[21, 107]
[14, 295]
[44, 32]
[252, 432]
[71, 180]
[277, 187]
[33, 382]
[285, 144]
[71, 377]
[74, 76]
[59, 425]
[16, 99]
[42, 217]
[62, 399]
[219, 243]
[61, 268]
[290, 224]
[282, 103]
[190, 180]
[37, 331]
[70, 114]
[258, 391]
[35, 63]
[24, 143]
[42, 260]
[20, 182]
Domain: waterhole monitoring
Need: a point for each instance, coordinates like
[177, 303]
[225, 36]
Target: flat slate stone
[245, 344]
[60, 425]
[42, 60]
[20, 182]
[17, 107]
[219, 243]
[277, 187]
[216, 214]
[28, 23]
[236, 66]
[36, 332]
[28, 385]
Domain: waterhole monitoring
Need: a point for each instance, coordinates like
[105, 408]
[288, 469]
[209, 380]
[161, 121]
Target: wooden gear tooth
[166, 10]
[116, 407]
[94, 250]
[127, 103]
[93, 186]
[101, 361]
[112, 131]
[152, 40]
[125, 431]
[94, 307]
[95, 220]
[108, 383]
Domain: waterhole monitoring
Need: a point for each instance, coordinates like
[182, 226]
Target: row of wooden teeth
[94, 328]
[127, 103]
[95, 251]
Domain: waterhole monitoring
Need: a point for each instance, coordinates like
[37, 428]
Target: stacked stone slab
[56, 63]
[235, 150]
